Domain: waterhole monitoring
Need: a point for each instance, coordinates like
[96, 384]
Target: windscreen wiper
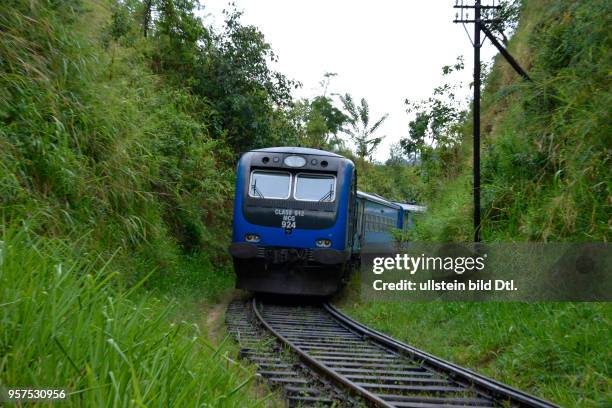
[328, 195]
[256, 190]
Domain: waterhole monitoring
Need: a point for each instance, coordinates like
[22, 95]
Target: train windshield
[270, 184]
[315, 187]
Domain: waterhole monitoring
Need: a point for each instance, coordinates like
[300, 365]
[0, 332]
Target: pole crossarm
[495, 20]
[459, 6]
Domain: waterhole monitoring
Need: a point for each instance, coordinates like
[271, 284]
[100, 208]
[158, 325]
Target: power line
[480, 24]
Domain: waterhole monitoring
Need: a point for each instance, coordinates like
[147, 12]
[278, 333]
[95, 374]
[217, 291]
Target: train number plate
[289, 217]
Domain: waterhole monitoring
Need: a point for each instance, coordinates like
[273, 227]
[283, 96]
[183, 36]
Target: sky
[386, 51]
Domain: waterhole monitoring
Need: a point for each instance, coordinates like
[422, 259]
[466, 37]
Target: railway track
[320, 357]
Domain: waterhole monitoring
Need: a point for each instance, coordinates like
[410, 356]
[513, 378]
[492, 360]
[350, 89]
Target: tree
[147, 6]
[505, 19]
[325, 121]
[226, 71]
[326, 80]
[177, 36]
[396, 156]
[437, 119]
[234, 75]
[417, 133]
[360, 131]
[319, 120]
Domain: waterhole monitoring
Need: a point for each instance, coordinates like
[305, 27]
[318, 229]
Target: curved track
[345, 363]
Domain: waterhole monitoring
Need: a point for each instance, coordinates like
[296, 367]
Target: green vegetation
[545, 177]
[360, 130]
[116, 178]
[94, 144]
[546, 143]
[547, 166]
[66, 326]
[120, 123]
[558, 351]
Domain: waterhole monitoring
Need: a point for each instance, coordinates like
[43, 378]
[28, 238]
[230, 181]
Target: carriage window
[314, 187]
[270, 184]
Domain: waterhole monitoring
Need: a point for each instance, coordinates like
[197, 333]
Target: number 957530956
[32, 394]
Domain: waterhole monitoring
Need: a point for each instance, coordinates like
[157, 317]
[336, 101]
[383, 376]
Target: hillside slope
[546, 143]
[110, 182]
[545, 177]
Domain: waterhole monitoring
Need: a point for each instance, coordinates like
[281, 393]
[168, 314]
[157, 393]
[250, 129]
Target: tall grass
[91, 140]
[546, 143]
[64, 324]
[545, 177]
[113, 201]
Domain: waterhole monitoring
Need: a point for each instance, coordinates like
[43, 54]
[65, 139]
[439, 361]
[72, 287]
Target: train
[300, 224]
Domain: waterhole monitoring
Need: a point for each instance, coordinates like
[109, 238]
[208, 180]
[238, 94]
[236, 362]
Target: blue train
[300, 224]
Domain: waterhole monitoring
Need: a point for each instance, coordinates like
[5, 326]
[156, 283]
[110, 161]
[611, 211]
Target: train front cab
[291, 230]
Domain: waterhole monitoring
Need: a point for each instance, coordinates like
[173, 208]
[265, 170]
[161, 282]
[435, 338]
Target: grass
[546, 178]
[130, 194]
[92, 140]
[545, 154]
[558, 351]
[64, 324]
[113, 201]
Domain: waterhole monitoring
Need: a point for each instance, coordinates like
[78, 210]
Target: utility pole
[480, 24]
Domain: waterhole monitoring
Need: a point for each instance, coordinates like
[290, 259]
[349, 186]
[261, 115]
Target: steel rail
[319, 366]
[483, 384]
[299, 384]
[381, 370]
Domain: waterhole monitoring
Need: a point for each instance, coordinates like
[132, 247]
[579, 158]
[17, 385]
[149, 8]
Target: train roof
[297, 150]
[412, 207]
[377, 199]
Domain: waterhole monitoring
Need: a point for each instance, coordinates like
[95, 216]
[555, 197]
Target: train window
[315, 187]
[270, 184]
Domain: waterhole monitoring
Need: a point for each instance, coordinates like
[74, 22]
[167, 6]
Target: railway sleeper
[441, 401]
[359, 359]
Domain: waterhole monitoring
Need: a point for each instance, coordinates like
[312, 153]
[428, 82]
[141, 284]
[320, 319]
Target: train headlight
[251, 238]
[295, 161]
[323, 243]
